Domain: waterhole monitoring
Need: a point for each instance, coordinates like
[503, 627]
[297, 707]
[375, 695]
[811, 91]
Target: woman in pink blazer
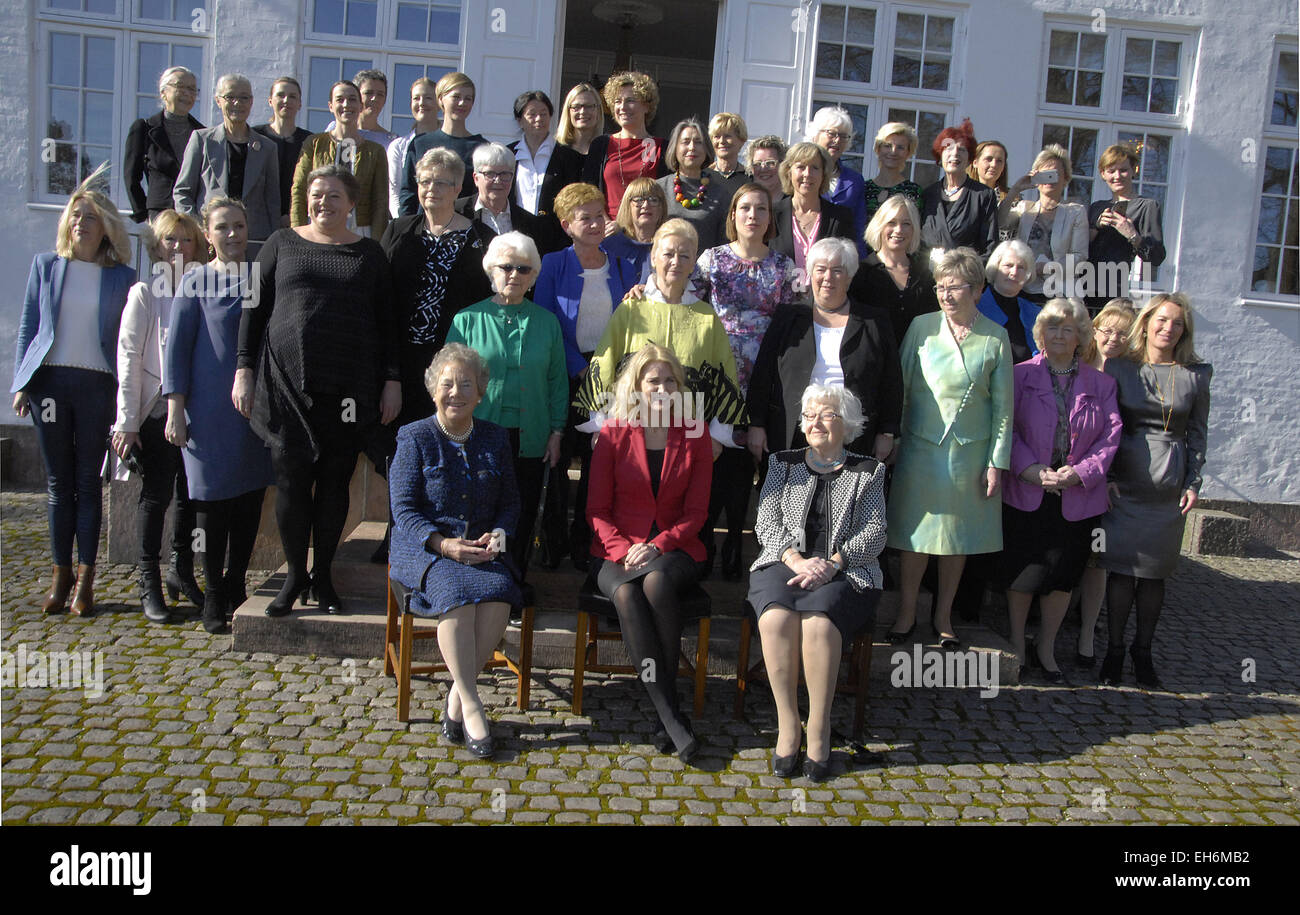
[1066, 429]
[647, 500]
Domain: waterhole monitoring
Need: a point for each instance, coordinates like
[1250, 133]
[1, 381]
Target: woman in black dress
[957, 211]
[1120, 229]
[896, 276]
[318, 369]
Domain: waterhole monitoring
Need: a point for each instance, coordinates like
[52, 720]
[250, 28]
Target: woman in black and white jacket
[816, 583]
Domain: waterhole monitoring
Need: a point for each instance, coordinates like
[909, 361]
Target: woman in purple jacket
[1066, 429]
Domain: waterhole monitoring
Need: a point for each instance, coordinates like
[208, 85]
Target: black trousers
[229, 532]
[162, 478]
[528, 478]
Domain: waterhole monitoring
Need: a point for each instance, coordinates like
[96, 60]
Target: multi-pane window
[79, 133]
[923, 44]
[111, 8]
[1150, 82]
[353, 18]
[921, 168]
[1277, 231]
[1153, 151]
[1084, 153]
[399, 91]
[383, 21]
[322, 73]
[428, 21]
[175, 12]
[153, 56]
[1076, 63]
[846, 41]
[853, 156]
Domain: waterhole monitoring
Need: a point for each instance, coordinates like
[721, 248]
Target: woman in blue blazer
[64, 376]
[583, 310]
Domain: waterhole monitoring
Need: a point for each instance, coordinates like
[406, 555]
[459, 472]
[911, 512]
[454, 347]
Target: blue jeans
[73, 410]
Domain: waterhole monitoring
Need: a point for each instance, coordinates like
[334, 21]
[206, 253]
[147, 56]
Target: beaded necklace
[689, 203]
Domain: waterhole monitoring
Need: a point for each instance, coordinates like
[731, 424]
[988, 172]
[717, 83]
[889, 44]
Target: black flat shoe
[288, 596]
[785, 766]
[453, 730]
[1084, 660]
[662, 742]
[898, 638]
[816, 771]
[946, 642]
[483, 748]
[1112, 669]
[1143, 669]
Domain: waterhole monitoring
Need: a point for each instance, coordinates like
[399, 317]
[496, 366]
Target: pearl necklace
[459, 438]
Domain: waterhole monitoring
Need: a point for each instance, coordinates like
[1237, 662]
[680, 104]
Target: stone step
[1210, 532]
[359, 634]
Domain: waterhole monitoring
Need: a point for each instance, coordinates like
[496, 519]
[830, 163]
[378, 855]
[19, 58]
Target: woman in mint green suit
[956, 439]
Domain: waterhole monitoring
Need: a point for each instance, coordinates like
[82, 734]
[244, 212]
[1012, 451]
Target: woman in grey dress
[1164, 400]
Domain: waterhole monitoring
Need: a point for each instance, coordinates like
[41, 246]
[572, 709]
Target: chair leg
[742, 668]
[391, 628]
[701, 665]
[579, 661]
[864, 677]
[404, 668]
[525, 657]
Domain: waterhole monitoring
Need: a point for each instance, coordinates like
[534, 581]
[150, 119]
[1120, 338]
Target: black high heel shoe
[1143, 668]
[898, 638]
[786, 766]
[732, 549]
[1112, 669]
[946, 642]
[816, 771]
[326, 597]
[289, 594]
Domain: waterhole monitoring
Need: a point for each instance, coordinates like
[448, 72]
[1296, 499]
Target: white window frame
[385, 26]
[1272, 135]
[125, 16]
[384, 61]
[134, 39]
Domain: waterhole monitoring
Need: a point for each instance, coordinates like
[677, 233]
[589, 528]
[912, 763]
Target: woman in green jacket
[528, 380]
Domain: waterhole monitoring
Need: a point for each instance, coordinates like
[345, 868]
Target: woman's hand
[611, 227]
[640, 554]
[22, 404]
[757, 442]
[1022, 184]
[390, 401]
[717, 447]
[176, 431]
[123, 442]
[992, 482]
[636, 292]
[1119, 222]
[241, 395]
[811, 572]
[1067, 476]
[552, 455]
[469, 552]
[882, 447]
[1188, 501]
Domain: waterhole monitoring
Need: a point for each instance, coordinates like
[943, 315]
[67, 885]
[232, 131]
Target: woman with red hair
[957, 211]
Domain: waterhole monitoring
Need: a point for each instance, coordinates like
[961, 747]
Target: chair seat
[696, 603]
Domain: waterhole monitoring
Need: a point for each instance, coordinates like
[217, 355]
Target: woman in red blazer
[648, 498]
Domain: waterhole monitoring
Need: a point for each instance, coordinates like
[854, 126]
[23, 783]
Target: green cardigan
[533, 343]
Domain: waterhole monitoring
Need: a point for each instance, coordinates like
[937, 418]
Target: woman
[692, 192]
[284, 132]
[1110, 331]
[727, 136]
[763, 158]
[581, 286]
[989, 166]
[836, 342]
[227, 466]
[528, 394]
[345, 146]
[670, 315]
[455, 93]
[815, 586]
[806, 216]
[649, 496]
[436, 257]
[543, 167]
[1010, 266]
[1065, 432]
[894, 147]
[1123, 228]
[896, 275]
[832, 129]
[956, 440]
[616, 160]
[582, 120]
[63, 377]
[155, 146]
[642, 211]
[745, 281]
[957, 211]
[426, 115]
[1056, 232]
[233, 160]
[1156, 474]
[318, 367]
[454, 563]
[175, 243]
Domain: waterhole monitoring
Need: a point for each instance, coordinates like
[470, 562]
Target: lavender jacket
[1095, 428]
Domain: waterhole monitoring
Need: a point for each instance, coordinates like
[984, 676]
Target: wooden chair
[592, 605]
[856, 682]
[400, 637]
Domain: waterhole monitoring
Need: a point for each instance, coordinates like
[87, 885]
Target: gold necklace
[1166, 415]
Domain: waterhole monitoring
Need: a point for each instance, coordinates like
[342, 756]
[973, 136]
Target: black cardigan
[149, 157]
[837, 222]
[564, 168]
[971, 221]
[868, 357]
[872, 285]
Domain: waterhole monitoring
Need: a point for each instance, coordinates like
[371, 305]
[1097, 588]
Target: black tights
[650, 615]
[229, 531]
[733, 478]
[1121, 590]
[303, 517]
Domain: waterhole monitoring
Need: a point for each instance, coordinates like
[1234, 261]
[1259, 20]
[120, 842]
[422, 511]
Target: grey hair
[828, 117]
[375, 75]
[457, 353]
[962, 263]
[838, 250]
[670, 150]
[175, 71]
[1013, 247]
[443, 158]
[232, 78]
[493, 155]
[1058, 311]
[516, 242]
[767, 141]
[844, 401]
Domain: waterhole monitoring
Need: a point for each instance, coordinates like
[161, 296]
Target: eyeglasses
[826, 416]
[1111, 332]
[521, 269]
[580, 107]
[835, 136]
[767, 165]
[645, 201]
[945, 291]
[438, 184]
[182, 87]
[243, 99]
[496, 176]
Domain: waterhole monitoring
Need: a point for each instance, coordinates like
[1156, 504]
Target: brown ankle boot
[57, 600]
[84, 603]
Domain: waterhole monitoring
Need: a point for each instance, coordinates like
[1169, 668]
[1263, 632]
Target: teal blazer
[533, 344]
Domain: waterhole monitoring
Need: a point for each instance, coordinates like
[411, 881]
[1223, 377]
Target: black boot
[1112, 669]
[235, 592]
[214, 609]
[732, 546]
[1143, 668]
[151, 593]
[180, 578]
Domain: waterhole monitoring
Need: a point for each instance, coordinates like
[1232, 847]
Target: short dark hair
[344, 176]
[371, 74]
[533, 95]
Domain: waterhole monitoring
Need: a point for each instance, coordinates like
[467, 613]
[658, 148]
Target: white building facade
[1208, 94]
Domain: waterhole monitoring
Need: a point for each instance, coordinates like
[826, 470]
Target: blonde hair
[627, 388]
[676, 228]
[574, 196]
[874, 236]
[725, 120]
[566, 133]
[164, 224]
[453, 80]
[1184, 350]
[642, 84]
[801, 154]
[1060, 310]
[1120, 310]
[1057, 152]
[115, 247]
[893, 129]
[639, 188]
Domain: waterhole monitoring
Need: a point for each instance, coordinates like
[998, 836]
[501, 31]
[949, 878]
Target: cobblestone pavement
[188, 731]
